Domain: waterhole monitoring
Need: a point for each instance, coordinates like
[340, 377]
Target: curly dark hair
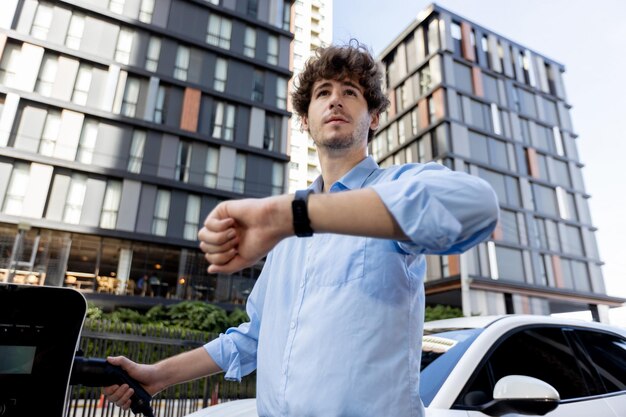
[352, 61]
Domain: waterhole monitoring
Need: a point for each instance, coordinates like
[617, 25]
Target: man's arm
[155, 378]
[434, 208]
[238, 233]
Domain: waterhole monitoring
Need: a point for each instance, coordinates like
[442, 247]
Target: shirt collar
[353, 179]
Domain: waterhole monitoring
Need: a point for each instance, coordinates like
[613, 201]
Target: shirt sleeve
[441, 211]
[235, 351]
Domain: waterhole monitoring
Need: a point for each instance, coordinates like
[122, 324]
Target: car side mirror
[522, 395]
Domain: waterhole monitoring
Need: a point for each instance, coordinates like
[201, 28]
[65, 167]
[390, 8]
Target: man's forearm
[186, 366]
[358, 212]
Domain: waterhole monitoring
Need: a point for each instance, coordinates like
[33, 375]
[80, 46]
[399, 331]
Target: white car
[511, 365]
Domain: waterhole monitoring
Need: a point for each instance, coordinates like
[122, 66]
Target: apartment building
[123, 123]
[475, 101]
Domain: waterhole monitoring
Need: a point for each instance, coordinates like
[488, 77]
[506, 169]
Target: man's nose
[335, 99]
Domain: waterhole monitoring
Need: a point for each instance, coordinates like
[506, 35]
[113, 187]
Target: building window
[258, 86]
[75, 31]
[152, 55]
[278, 178]
[87, 142]
[117, 6]
[272, 49]
[224, 121]
[182, 63]
[287, 15]
[253, 8]
[510, 264]
[240, 174]
[484, 44]
[50, 133]
[47, 75]
[505, 186]
[210, 171]
[192, 216]
[42, 21]
[457, 39]
[523, 62]
[81, 87]
[219, 31]
[10, 64]
[75, 199]
[16, 191]
[136, 151]
[271, 132]
[161, 213]
[111, 205]
[281, 93]
[131, 97]
[146, 10]
[124, 46]
[425, 81]
[509, 226]
[183, 161]
[249, 43]
[551, 79]
[221, 74]
[545, 200]
[159, 108]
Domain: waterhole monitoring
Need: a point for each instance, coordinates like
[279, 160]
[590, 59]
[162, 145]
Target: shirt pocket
[335, 260]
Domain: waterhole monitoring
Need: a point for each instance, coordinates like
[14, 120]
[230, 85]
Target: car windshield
[441, 350]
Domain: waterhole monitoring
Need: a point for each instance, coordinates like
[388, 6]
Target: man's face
[338, 117]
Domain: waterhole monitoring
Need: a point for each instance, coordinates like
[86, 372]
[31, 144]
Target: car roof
[482, 322]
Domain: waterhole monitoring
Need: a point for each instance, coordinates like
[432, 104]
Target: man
[336, 316]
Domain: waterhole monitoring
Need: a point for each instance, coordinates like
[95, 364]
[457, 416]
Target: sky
[589, 38]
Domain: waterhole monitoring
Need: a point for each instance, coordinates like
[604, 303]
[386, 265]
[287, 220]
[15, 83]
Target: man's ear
[375, 121]
[304, 123]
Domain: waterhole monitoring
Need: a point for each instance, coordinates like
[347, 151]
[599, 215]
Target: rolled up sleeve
[235, 351]
[439, 210]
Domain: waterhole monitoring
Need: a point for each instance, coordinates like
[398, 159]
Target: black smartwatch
[301, 222]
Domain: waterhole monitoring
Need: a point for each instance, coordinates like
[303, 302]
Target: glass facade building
[477, 102]
[123, 123]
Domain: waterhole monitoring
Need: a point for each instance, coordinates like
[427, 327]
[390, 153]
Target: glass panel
[111, 205]
[510, 264]
[75, 199]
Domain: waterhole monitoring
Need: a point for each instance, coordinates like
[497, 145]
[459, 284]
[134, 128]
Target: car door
[542, 352]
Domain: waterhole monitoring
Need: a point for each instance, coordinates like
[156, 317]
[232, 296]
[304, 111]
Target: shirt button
[302, 284]
[293, 324]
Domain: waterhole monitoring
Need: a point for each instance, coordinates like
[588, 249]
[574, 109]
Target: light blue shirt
[336, 321]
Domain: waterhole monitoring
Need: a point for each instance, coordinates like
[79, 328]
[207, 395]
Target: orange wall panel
[466, 43]
[191, 109]
[477, 81]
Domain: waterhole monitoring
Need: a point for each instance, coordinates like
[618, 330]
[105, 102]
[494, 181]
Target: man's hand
[238, 233]
[146, 375]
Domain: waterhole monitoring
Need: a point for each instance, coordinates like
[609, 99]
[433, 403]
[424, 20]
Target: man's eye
[322, 93]
[351, 92]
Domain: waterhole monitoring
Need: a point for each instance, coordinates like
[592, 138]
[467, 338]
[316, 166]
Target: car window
[608, 354]
[542, 353]
[441, 350]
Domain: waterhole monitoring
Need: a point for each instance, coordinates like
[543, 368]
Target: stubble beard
[347, 141]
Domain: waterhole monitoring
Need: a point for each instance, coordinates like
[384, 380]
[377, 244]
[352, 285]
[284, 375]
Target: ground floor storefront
[99, 264]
